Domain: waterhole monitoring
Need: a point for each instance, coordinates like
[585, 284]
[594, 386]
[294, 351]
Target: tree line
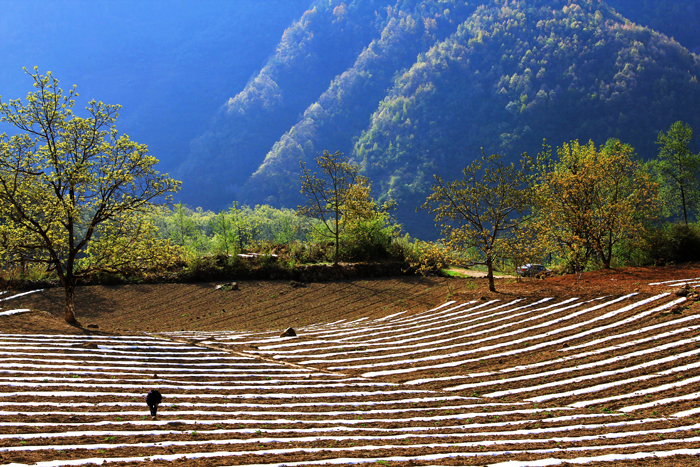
[79, 199]
[581, 206]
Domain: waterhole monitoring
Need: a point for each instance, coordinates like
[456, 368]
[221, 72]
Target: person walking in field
[153, 398]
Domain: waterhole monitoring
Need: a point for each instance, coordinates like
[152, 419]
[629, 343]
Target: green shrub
[366, 240]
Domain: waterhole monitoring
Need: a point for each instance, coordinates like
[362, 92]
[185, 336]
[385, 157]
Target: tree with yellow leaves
[74, 194]
[480, 213]
[592, 199]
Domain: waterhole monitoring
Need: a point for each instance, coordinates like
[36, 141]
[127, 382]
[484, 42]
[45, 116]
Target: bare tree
[327, 192]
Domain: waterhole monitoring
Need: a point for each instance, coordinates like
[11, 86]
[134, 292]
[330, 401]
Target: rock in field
[289, 332]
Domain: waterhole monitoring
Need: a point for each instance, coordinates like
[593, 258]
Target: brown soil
[273, 305]
[261, 306]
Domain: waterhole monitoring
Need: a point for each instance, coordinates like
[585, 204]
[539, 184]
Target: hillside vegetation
[416, 88]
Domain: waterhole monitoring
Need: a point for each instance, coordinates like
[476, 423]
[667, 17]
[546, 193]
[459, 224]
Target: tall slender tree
[677, 170]
[480, 212]
[327, 193]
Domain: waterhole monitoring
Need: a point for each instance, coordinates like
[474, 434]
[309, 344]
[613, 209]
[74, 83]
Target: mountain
[415, 88]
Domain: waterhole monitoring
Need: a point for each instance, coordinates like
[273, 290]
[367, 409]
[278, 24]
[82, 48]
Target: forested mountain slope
[414, 88]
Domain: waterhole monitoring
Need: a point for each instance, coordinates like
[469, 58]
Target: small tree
[184, 228]
[591, 200]
[222, 227]
[244, 226]
[327, 193]
[478, 213]
[677, 171]
[74, 194]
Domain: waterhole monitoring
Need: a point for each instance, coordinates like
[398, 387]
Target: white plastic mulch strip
[191, 386]
[603, 458]
[455, 312]
[638, 331]
[668, 400]
[146, 356]
[343, 343]
[676, 281]
[241, 405]
[642, 392]
[546, 335]
[133, 350]
[322, 338]
[451, 319]
[461, 338]
[311, 439]
[336, 413]
[33, 392]
[567, 358]
[21, 294]
[262, 452]
[535, 463]
[400, 344]
[681, 284]
[283, 421]
[388, 318]
[105, 340]
[586, 366]
[88, 374]
[14, 312]
[83, 338]
[687, 413]
[604, 386]
[162, 380]
[115, 348]
[349, 429]
[232, 372]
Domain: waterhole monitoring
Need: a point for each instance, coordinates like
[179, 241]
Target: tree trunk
[337, 238]
[489, 275]
[69, 309]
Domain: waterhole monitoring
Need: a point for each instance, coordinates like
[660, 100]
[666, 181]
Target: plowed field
[602, 369]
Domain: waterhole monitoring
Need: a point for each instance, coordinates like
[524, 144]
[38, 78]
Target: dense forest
[414, 88]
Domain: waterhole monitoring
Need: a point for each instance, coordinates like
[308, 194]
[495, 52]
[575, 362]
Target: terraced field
[602, 380]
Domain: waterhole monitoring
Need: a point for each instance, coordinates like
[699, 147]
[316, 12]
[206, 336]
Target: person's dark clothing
[153, 398]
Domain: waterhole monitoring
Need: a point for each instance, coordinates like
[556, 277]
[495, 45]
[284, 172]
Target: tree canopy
[327, 193]
[480, 213]
[74, 193]
[677, 172]
[593, 199]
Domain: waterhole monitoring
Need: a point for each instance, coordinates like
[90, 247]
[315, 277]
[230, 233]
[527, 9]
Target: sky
[170, 64]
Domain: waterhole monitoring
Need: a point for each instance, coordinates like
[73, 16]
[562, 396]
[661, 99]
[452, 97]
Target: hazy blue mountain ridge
[322, 44]
[171, 64]
[675, 18]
